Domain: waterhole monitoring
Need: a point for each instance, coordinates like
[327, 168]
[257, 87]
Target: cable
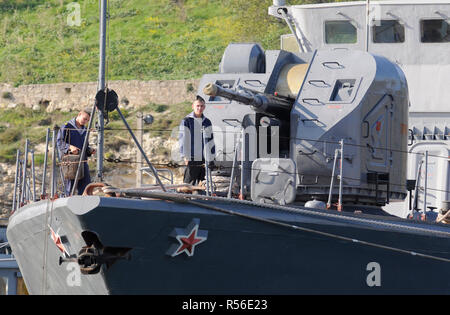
[176, 165]
[175, 129]
[292, 138]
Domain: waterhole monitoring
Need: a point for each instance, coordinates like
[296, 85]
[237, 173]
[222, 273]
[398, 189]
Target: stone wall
[75, 96]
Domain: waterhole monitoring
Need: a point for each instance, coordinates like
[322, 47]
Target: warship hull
[248, 248]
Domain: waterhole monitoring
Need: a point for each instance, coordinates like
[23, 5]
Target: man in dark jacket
[195, 132]
[70, 140]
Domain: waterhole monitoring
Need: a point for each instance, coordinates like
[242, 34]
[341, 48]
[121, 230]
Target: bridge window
[388, 31]
[434, 31]
[340, 32]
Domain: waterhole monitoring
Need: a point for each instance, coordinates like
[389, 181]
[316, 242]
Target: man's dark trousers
[194, 172]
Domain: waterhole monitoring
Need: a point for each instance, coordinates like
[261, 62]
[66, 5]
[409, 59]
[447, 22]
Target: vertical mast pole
[101, 86]
[367, 24]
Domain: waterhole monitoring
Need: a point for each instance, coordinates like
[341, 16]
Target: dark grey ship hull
[237, 254]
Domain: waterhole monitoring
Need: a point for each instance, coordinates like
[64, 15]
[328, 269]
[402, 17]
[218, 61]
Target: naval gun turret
[302, 105]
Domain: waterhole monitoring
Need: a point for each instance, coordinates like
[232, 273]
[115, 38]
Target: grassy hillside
[22, 123]
[40, 41]
[49, 41]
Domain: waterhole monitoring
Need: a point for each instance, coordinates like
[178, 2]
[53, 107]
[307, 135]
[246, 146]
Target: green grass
[147, 40]
[156, 108]
[160, 39]
[19, 124]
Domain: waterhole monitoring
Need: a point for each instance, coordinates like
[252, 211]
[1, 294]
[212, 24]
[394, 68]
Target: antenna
[367, 24]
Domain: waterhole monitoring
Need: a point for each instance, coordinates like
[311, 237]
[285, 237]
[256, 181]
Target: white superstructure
[415, 34]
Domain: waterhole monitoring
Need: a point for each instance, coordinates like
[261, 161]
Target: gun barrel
[212, 89]
[261, 102]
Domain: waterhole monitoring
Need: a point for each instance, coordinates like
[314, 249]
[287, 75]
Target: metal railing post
[336, 152]
[53, 176]
[341, 173]
[241, 195]
[424, 216]
[24, 173]
[44, 173]
[236, 146]
[19, 193]
[16, 179]
[208, 192]
[416, 190]
[33, 175]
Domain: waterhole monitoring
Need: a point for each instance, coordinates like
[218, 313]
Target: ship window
[340, 32]
[388, 31]
[434, 31]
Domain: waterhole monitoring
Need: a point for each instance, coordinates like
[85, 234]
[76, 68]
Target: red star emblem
[188, 238]
[187, 244]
